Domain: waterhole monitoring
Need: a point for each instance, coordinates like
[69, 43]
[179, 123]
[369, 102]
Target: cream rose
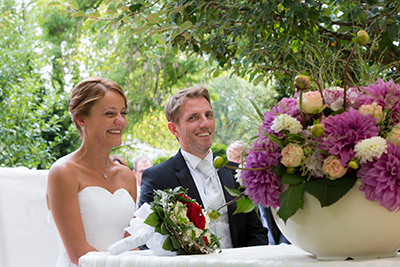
[333, 168]
[312, 102]
[374, 109]
[394, 135]
[292, 155]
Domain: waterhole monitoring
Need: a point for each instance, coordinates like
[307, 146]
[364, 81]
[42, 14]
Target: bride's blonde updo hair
[87, 92]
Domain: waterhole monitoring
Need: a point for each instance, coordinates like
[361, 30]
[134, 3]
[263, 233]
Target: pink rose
[292, 155]
[312, 102]
[332, 168]
[333, 97]
[374, 109]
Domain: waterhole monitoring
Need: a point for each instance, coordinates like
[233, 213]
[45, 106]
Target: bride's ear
[80, 122]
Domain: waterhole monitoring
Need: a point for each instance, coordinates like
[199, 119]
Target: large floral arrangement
[183, 221]
[323, 141]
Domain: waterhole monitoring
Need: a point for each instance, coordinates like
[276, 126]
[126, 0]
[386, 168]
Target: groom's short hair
[173, 107]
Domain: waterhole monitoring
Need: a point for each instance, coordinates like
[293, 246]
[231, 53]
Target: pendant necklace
[104, 173]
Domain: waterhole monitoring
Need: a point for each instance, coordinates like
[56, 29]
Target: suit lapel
[225, 176]
[185, 178]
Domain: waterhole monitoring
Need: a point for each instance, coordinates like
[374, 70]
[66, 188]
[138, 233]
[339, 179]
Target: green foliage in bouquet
[184, 222]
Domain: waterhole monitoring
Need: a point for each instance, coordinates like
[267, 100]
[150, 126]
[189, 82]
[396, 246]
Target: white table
[260, 256]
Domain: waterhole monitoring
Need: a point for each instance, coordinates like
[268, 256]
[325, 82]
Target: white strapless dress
[104, 217]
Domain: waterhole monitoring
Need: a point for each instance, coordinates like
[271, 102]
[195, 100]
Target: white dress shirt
[221, 226]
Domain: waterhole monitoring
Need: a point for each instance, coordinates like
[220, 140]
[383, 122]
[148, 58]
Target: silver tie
[213, 191]
[215, 199]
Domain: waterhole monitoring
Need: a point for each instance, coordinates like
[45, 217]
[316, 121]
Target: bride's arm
[62, 200]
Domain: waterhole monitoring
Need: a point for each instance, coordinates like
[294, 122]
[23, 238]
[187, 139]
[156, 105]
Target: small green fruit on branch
[362, 38]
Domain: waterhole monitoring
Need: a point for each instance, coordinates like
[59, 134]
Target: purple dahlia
[263, 185]
[380, 179]
[343, 131]
[386, 94]
[285, 106]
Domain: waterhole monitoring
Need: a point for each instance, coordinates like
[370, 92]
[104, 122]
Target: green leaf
[294, 138]
[54, 3]
[295, 45]
[163, 229]
[153, 19]
[111, 9]
[187, 24]
[182, 28]
[260, 114]
[135, 7]
[385, 42]
[126, 19]
[88, 22]
[170, 222]
[73, 5]
[93, 14]
[152, 219]
[244, 205]
[393, 31]
[139, 30]
[276, 140]
[291, 201]
[294, 178]
[78, 14]
[329, 191]
[168, 245]
[233, 192]
[175, 242]
[280, 170]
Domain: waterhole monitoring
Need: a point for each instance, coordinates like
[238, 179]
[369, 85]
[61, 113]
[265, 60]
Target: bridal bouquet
[322, 142]
[172, 224]
[183, 221]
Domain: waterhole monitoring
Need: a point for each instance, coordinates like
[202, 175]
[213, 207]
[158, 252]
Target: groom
[191, 120]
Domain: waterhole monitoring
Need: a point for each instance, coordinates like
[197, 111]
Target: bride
[91, 198]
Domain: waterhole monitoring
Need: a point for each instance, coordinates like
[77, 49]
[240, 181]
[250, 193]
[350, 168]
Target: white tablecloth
[261, 256]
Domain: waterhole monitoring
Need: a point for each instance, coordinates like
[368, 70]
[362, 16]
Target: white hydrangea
[286, 122]
[368, 148]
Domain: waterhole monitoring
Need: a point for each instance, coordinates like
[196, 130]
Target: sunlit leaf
[244, 205]
[94, 14]
[53, 3]
[153, 19]
[78, 14]
[73, 5]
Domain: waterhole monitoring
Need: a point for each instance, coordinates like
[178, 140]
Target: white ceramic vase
[352, 227]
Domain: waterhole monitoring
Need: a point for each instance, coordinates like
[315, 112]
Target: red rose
[205, 240]
[195, 213]
[196, 216]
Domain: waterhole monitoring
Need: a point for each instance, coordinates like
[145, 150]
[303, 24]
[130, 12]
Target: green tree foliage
[45, 52]
[271, 39]
[148, 72]
[31, 111]
[232, 101]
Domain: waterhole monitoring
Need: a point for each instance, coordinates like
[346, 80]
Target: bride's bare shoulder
[63, 167]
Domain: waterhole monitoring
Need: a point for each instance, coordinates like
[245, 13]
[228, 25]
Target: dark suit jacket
[246, 228]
